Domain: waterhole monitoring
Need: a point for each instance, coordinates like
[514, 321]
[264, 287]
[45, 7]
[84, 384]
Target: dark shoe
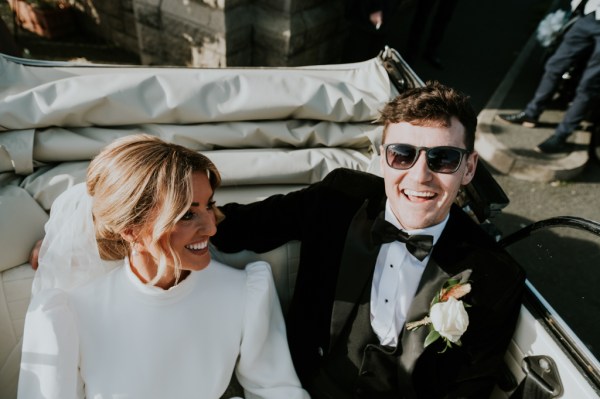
[519, 119]
[553, 145]
[434, 60]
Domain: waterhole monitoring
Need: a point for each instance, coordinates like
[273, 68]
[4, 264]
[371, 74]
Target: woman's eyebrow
[211, 199]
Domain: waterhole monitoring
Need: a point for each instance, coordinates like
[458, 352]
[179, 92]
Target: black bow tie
[419, 245]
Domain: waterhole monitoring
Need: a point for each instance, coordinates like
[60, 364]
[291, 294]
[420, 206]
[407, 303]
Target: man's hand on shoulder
[35, 253]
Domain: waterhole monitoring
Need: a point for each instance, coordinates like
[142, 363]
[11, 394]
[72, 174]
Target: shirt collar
[590, 6]
[435, 230]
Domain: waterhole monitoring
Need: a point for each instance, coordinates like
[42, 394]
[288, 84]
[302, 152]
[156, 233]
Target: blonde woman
[161, 319]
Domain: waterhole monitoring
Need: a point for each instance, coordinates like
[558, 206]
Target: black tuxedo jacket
[332, 219]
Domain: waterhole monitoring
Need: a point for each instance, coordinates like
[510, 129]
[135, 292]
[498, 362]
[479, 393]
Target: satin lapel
[442, 265]
[356, 270]
[412, 341]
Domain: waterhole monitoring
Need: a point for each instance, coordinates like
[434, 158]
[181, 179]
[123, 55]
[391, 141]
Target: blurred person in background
[582, 37]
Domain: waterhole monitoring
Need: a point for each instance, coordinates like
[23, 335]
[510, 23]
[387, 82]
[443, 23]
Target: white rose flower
[450, 319]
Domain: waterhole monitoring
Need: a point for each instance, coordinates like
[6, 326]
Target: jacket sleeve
[265, 225]
[265, 367]
[50, 357]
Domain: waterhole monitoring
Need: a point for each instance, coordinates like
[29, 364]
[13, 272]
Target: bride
[161, 319]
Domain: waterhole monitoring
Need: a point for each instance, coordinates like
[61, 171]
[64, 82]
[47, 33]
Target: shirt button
[386, 301]
[320, 351]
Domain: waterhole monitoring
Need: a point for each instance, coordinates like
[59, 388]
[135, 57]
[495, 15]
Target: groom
[356, 290]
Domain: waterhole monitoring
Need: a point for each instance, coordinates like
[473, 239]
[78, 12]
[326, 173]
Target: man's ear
[471, 162]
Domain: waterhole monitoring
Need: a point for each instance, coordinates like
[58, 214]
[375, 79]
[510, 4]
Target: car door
[555, 351]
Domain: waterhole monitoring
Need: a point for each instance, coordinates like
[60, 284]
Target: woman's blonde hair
[140, 182]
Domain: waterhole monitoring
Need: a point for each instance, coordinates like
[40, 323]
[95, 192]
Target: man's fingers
[35, 252]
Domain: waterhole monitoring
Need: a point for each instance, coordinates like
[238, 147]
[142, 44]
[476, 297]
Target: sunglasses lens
[443, 159]
[401, 156]
[439, 159]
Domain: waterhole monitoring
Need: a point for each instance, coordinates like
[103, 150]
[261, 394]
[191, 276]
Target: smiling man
[399, 293]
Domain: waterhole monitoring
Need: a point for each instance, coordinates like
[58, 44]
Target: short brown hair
[432, 103]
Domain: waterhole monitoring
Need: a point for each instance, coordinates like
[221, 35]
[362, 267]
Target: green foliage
[431, 337]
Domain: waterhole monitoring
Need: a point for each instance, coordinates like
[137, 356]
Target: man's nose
[420, 170]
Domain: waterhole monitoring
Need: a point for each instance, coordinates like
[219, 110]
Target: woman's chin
[197, 265]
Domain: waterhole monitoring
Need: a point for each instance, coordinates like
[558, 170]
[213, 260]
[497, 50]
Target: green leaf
[431, 338]
[448, 345]
[451, 282]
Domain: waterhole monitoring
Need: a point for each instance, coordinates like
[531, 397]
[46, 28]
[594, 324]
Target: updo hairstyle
[141, 182]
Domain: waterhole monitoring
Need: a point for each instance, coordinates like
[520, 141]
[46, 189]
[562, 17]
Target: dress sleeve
[265, 368]
[50, 357]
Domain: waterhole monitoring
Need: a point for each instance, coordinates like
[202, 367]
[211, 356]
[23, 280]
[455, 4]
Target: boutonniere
[447, 317]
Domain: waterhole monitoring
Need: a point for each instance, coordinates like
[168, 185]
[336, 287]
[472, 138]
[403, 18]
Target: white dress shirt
[590, 6]
[395, 281]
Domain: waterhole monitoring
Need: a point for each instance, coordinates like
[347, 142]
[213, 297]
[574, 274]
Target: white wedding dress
[111, 336]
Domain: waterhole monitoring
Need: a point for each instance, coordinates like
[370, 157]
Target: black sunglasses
[439, 159]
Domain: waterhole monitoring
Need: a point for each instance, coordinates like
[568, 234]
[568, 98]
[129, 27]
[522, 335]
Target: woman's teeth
[197, 246]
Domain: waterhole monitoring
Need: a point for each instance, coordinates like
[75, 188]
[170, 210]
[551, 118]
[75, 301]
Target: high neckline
[175, 292]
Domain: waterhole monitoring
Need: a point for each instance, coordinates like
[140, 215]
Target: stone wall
[194, 33]
[221, 33]
[298, 32]
[112, 19]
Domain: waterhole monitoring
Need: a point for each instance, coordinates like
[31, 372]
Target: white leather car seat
[22, 220]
